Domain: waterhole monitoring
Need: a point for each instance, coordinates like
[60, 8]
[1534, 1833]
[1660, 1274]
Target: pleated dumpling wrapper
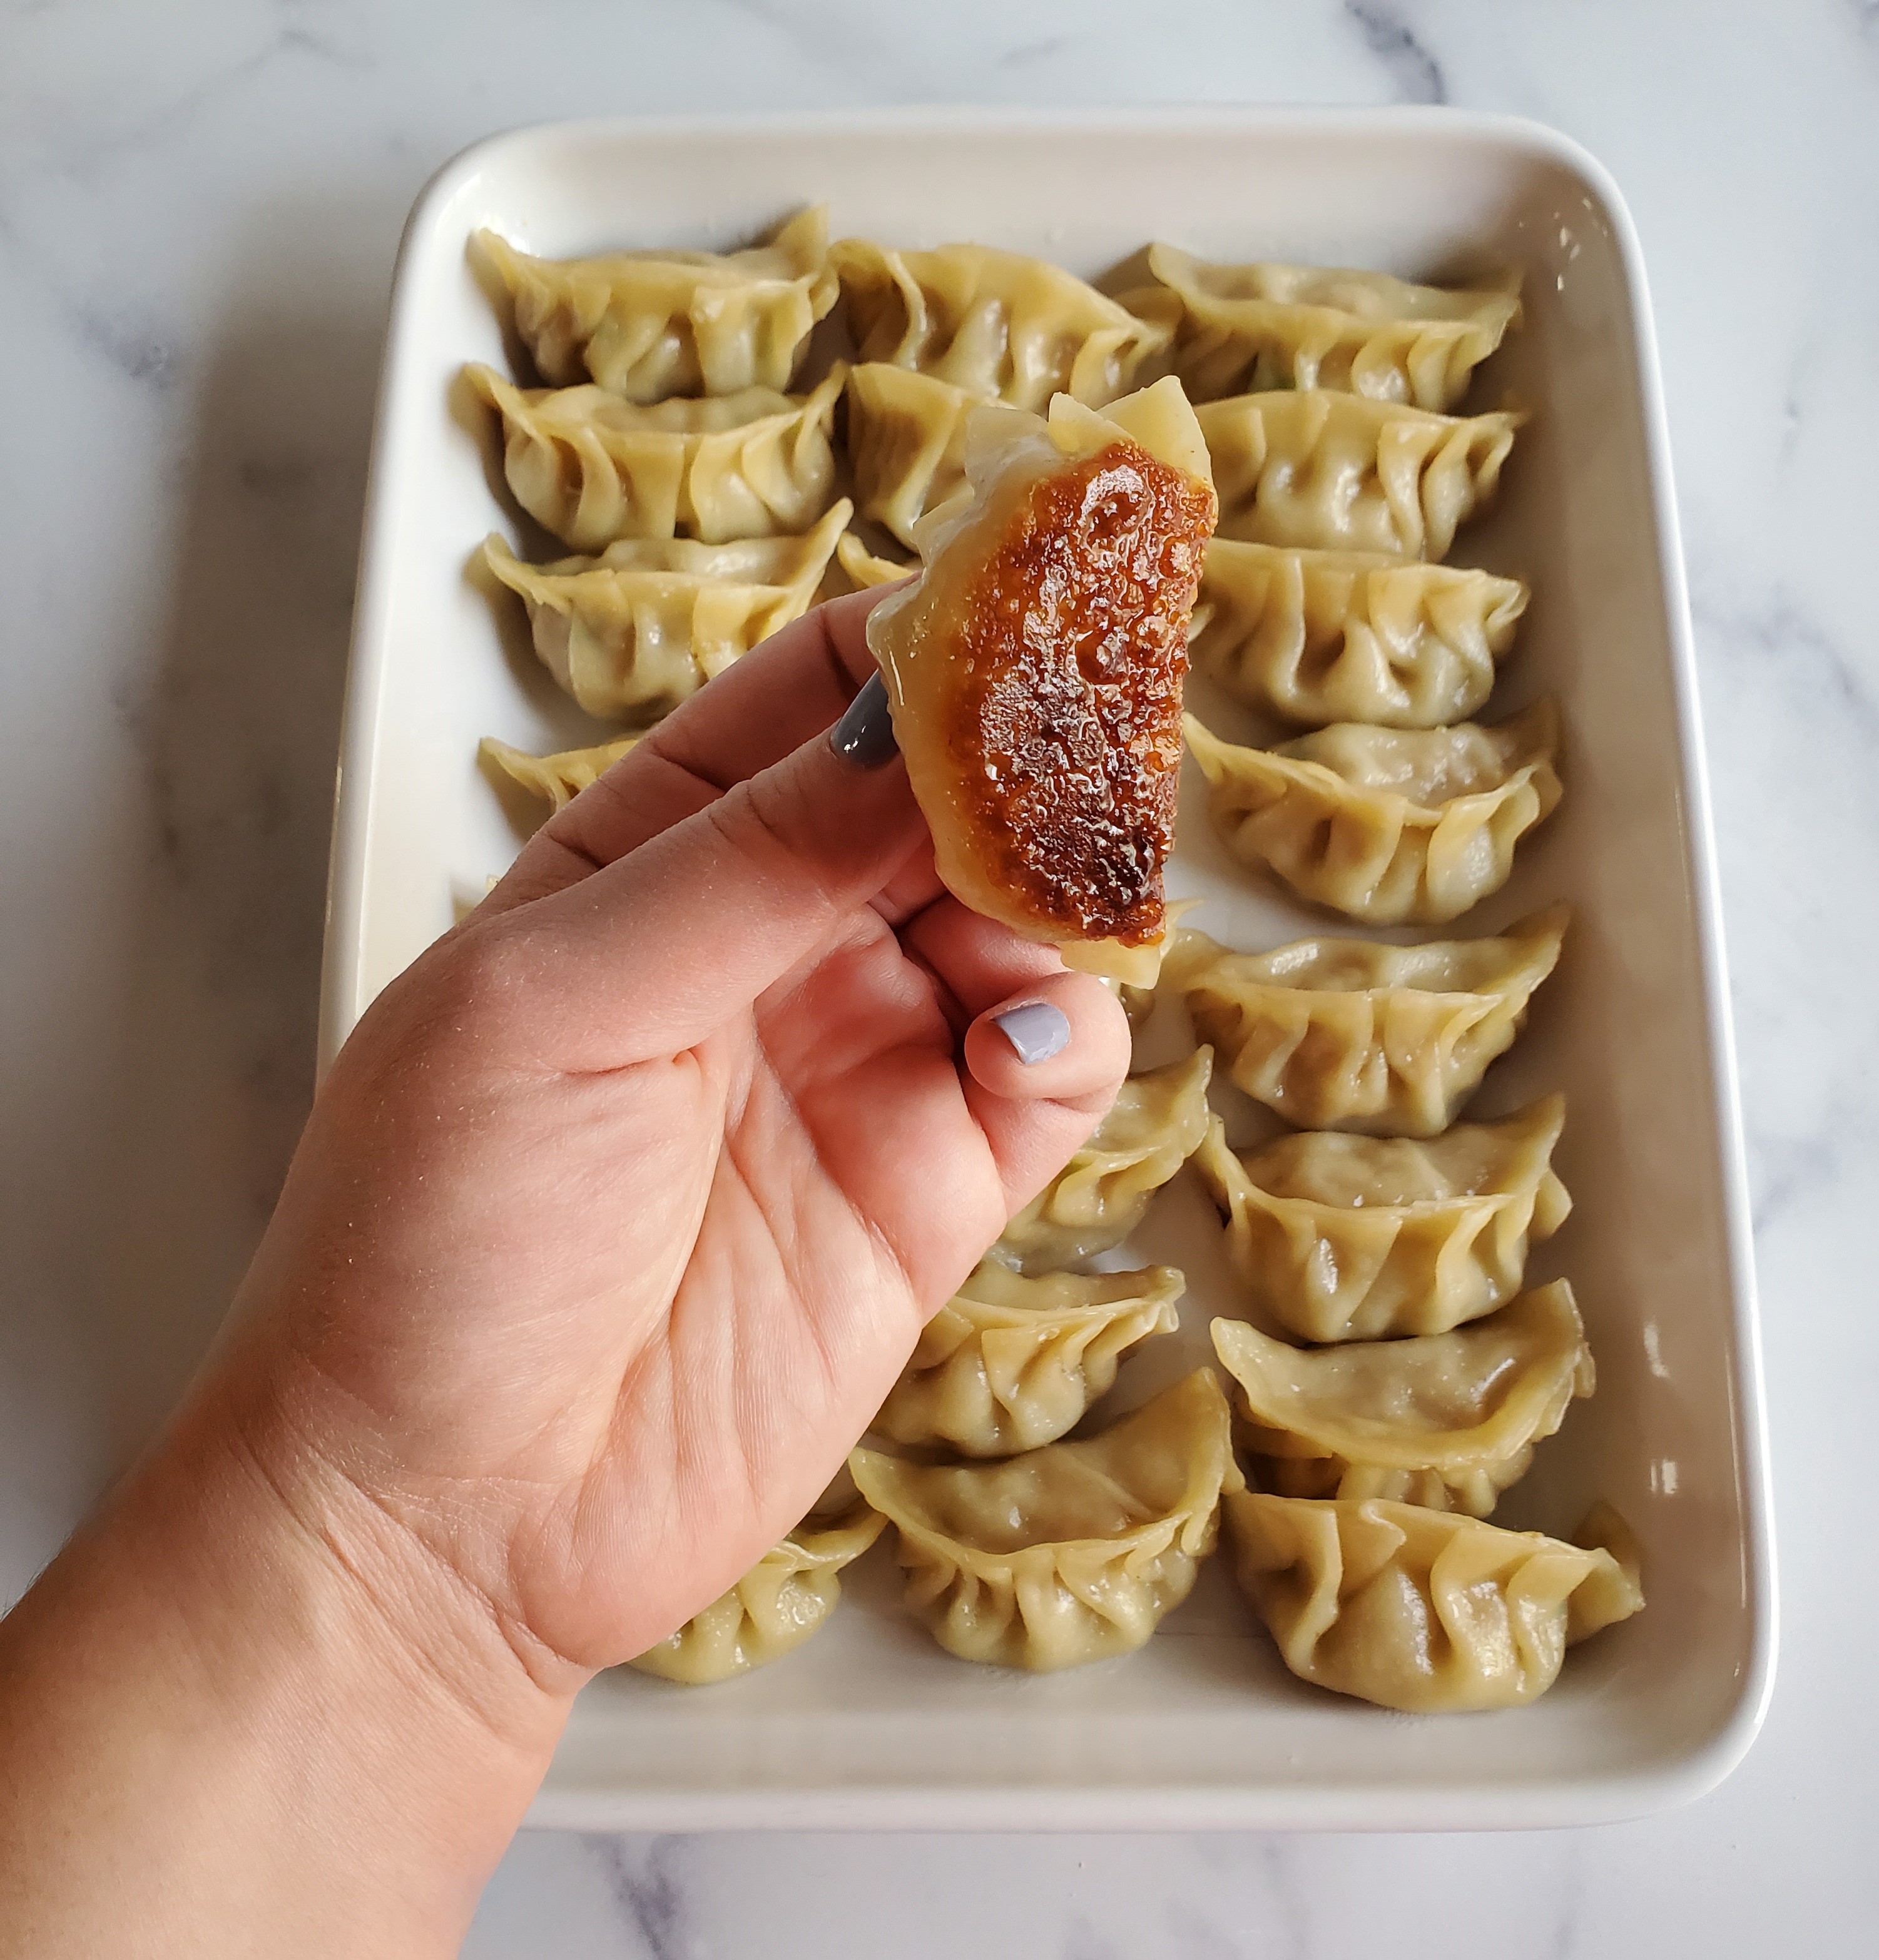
[651, 324]
[1315, 636]
[786, 1596]
[633, 632]
[1390, 826]
[1431, 1612]
[1036, 670]
[1267, 326]
[1000, 325]
[1447, 1420]
[1348, 1034]
[1337, 472]
[906, 439]
[1343, 1238]
[593, 468]
[1009, 1363]
[560, 777]
[1069, 1554]
[1153, 1126]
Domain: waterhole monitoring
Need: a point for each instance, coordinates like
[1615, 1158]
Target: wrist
[293, 1712]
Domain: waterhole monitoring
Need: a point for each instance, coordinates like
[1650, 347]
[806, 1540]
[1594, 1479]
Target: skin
[611, 1227]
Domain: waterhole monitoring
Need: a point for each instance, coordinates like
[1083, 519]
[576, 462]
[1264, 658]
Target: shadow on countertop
[238, 729]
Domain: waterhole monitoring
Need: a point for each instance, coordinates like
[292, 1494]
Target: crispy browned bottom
[1065, 730]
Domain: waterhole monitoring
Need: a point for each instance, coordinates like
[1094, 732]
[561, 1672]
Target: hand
[622, 1208]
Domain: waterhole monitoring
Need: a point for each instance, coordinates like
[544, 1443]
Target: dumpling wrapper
[560, 777]
[786, 1596]
[1347, 1034]
[906, 439]
[1315, 636]
[1010, 1364]
[1344, 1238]
[1390, 826]
[593, 468]
[1001, 326]
[1036, 670]
[1155, 1126]
[1448, 1421]
[1267, 326]
[635, 631]
[1336, 473]
[1069, 1554]
[1431, 1612]
[651, 324]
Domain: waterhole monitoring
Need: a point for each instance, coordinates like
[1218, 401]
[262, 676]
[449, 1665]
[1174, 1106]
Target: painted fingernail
[1037, 1030]
[864, 735]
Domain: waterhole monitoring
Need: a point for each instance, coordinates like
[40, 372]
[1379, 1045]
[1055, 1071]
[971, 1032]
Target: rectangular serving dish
[870, 1724]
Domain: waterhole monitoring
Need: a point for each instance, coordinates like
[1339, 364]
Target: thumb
[693, 924]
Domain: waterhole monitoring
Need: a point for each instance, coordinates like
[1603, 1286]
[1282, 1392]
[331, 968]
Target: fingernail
[864, 735]
[1036, 1031]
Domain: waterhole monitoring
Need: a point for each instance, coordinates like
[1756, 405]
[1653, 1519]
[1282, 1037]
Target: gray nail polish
[1037, 1030]
[864, 735]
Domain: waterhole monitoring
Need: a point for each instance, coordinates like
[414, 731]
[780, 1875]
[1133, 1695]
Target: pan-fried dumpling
[906, 435]
[1008, 1363]
[783, 1598]
[1391, 826]
[1448, 1421]
[998, 325]
[1036, 669]
[635, 631]
[648, 325]
[559, 777]
[592, 468]
[1345, 1034]
[1155, 1126]
[1305, 327]
[1429, 1611]
[1321, 636]
[1067, 1553]
[1338, 473]
[1343, 1238]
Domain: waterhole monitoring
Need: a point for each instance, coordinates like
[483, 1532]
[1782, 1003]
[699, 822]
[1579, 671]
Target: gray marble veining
[198, 206]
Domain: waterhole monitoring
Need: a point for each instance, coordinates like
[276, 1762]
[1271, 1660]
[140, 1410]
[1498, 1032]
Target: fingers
[664, 944]
[1065, 1039]
[798, 683]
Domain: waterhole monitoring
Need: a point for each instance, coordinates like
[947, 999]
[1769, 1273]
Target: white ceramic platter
[870, 1724]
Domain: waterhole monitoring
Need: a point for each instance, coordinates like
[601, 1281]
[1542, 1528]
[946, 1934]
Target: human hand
[622, 1208]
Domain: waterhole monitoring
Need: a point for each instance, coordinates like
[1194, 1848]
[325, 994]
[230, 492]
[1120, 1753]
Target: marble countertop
[198, 208]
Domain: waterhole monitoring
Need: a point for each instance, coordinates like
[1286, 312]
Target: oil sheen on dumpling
[1347, 1034]
[1067, 1553]
[1429, 1611]
[1267, 326]
[1338, 473]
[1391, 826]
[1448, 1421]
[1344, 1238]
[559, 778]
[1315, 636]
[593, 468]
[906, 439]
[1036, 670]
[999, 326]
[648, 325]
[1009, 1363]
[786, 1596]
[633, 632]
[1155, 1126]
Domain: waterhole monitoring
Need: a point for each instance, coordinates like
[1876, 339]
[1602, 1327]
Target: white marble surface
[198, 205]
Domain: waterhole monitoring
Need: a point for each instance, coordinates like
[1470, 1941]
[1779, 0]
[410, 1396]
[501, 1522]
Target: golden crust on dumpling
[1036, 672]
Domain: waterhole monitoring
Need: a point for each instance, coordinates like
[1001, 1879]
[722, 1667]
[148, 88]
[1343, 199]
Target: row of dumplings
[713, 502]
[709, 505]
